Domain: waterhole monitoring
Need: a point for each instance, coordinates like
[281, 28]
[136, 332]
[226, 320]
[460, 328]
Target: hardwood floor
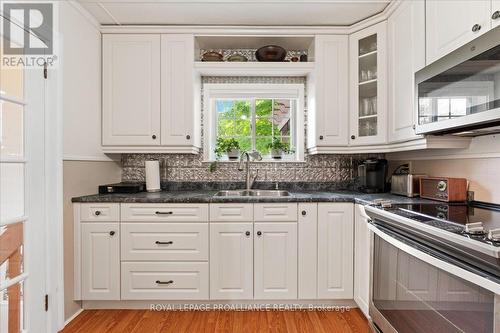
[145, 321]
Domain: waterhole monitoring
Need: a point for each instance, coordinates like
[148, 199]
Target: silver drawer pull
[164, 243]
[164, 213]
[164, 282]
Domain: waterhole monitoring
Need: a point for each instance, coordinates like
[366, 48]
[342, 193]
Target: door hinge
[46, 302]
[45, 70]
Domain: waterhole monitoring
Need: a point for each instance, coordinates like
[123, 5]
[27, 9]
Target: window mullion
[253, 115]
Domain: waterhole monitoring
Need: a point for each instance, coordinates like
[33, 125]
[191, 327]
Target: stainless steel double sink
[253, 193]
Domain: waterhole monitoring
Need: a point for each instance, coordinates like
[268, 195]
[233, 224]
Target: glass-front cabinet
[368, 85]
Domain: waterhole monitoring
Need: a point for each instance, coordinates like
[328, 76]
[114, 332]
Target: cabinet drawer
[231, 212]
[168, 212]
[275, 212]
[164, 241]
[100, 212]
[164, 280]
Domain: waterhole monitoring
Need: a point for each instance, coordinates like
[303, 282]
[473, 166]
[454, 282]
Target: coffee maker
[372, 175]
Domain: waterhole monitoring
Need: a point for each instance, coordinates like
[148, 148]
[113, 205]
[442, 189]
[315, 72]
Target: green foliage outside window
[234, 120]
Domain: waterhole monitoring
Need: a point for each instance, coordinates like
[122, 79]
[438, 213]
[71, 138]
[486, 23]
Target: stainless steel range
[435, 267]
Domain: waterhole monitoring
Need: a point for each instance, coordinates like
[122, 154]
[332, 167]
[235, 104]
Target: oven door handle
[436, 261]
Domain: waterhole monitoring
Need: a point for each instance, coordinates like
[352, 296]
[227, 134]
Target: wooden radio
[443, 189]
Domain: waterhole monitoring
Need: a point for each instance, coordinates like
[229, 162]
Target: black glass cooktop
[459, 214]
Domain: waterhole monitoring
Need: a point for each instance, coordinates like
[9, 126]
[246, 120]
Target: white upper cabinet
[180, 94]
[328, 94]
[131, 90]
[151, 94]
[335, 250]
[406, 46]
[368, 79]
[451, 24]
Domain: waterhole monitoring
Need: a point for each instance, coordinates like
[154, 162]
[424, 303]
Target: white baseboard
[70, 319]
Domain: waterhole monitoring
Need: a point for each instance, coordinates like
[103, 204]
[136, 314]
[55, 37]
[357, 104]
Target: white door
[231, 261]
[23, 258]
[100, 261]
[177, 92]
[131, 90]
[451, 24]
[361, 260]
[335, 250]
[275, 272]
[368, 80]
[406, 39]
[495, 13]
[308, 250]
[329, 96]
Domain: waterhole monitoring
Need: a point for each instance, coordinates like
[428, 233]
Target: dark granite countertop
[208, 196]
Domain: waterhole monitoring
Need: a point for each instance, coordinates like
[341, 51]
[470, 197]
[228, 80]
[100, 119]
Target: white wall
[85, 166]
[81, 61]
[480, 164]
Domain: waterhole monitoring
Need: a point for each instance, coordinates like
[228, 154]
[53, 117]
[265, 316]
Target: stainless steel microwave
[460, 93]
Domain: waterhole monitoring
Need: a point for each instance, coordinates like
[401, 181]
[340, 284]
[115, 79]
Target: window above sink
[255, 116]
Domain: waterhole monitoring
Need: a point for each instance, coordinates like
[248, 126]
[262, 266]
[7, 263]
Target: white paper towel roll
[153, 176]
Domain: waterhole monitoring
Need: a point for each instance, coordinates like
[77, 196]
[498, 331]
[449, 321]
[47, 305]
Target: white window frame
[212, 91]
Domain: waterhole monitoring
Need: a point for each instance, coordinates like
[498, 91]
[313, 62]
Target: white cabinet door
[335, 250]
[178, 114]
[131, 90]
[100, 261]
[495, 13]
[368, 80]
[361, 260]
[308, 250]
[450, 24]
[406, 39]
[417, 280]
[231, 260]
[328, 93]
[275, 271]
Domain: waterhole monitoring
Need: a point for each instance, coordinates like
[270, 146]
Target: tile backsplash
[188, 167]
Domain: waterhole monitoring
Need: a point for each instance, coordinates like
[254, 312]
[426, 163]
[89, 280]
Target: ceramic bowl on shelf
[211, 56]
[237, 58]
[271, 53]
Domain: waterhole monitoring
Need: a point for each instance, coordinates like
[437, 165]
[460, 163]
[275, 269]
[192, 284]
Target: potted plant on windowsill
[230, 147]
[278, 147]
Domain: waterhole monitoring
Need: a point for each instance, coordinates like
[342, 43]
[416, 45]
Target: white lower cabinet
[361, 259]
[335, 250]
[164, 280]
[100, 256]
[275, 273]
[271, 251]
[231, 260]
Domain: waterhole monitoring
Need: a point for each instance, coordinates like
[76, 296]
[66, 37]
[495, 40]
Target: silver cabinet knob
[476, 27]
[321, 137]
[153, 136]
[495, 15]
[188, 137]
[353, 137]
[111, 233]
[259, 233]
[97, 213]
[247, 233]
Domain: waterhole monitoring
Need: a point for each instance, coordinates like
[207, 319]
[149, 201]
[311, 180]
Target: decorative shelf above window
[254, 68]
